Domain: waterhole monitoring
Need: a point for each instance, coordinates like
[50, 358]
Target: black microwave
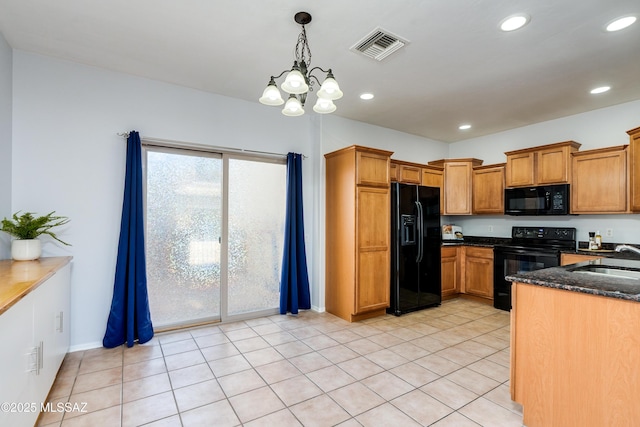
[540, 200]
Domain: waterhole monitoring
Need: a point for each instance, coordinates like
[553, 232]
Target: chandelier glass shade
[295, 82]
[324, 106]
[293, 107]
[300, 80]
[271, 95]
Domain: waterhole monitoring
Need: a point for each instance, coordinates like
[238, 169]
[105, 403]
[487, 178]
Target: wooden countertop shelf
[18, 278]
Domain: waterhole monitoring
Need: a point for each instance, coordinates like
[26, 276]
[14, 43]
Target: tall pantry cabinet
[358, 232]
[634, 166]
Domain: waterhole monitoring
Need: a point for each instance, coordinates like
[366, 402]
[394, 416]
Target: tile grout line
[323, 329]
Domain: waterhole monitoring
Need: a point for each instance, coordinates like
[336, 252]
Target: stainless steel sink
[608, 271]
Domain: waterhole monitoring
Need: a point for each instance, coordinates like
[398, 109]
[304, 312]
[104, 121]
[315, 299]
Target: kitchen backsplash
[626, 228]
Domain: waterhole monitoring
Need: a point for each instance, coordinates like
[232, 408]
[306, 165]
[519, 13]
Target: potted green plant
[26, 228]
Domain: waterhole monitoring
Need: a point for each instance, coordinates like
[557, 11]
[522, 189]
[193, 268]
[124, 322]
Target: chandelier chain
[303, 51]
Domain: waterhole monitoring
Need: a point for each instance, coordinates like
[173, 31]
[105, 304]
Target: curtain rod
[182, 144]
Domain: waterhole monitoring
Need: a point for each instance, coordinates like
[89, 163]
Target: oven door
[513, 260]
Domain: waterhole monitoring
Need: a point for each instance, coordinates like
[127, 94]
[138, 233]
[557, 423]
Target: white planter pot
[26, 250]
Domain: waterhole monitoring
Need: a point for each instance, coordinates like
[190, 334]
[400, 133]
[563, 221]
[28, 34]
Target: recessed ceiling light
[366, 96]
[464, 127]
[513, 22]
[600, 89]
[620, 23]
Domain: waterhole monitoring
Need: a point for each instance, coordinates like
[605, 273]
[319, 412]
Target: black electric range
[530, 248]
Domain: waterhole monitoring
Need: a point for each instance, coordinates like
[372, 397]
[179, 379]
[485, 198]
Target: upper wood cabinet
[634, 166]
[599, 183]
[358, 218]
[520, 169]
[414, 173]
[393, 171]
[409, 174]
[405, 172]
[433, 176]
[458, 176]
[488, 189]
[545, 164]
[372, 168]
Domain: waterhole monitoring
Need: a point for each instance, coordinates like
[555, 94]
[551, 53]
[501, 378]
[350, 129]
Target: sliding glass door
[256, 234]
[214, 235]
[183, 229]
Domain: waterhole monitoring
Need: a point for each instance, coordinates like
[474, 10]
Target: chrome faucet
[629, 248]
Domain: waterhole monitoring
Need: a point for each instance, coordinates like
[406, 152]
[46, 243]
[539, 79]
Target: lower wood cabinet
[478, 271]
[567, 259]
[373, 216]
[574, 358]
[467, 270]
[450, 271]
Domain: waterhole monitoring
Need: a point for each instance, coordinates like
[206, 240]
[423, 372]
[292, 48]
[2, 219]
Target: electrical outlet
[609, 232]
[490, 229]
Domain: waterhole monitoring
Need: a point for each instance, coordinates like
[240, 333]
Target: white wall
[6, 67]
[594, 129]
[338, 133]
[68, 158]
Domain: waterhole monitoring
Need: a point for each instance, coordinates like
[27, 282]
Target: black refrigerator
[415, 248]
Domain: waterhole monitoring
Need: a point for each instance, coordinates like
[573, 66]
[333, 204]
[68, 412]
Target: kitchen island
[575, 345]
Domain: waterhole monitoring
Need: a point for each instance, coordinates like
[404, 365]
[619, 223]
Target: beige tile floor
[444, 366]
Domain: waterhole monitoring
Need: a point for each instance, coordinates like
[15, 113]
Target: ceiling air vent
[379, 44]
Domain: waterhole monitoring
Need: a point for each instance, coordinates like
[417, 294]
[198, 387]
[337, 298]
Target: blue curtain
[294, 281]
[130, 319]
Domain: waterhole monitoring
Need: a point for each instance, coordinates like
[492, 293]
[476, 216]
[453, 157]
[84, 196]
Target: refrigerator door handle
[420, 239]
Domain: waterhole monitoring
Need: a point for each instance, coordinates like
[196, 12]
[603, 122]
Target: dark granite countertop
[608, 251]
[564, 278]
[489, 242]
[486, 242]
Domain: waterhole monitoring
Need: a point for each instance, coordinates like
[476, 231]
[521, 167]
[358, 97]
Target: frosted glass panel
[183, 237]
[257, 193]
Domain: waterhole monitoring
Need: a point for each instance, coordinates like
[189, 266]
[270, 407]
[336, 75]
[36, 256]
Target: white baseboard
[85, 346]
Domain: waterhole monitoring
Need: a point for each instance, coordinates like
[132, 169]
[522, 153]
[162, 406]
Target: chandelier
[300, 80]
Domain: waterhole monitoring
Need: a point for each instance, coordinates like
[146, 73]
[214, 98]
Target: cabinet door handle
[33, 359]
[60, 317]
[40, 357]
[36, 358]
